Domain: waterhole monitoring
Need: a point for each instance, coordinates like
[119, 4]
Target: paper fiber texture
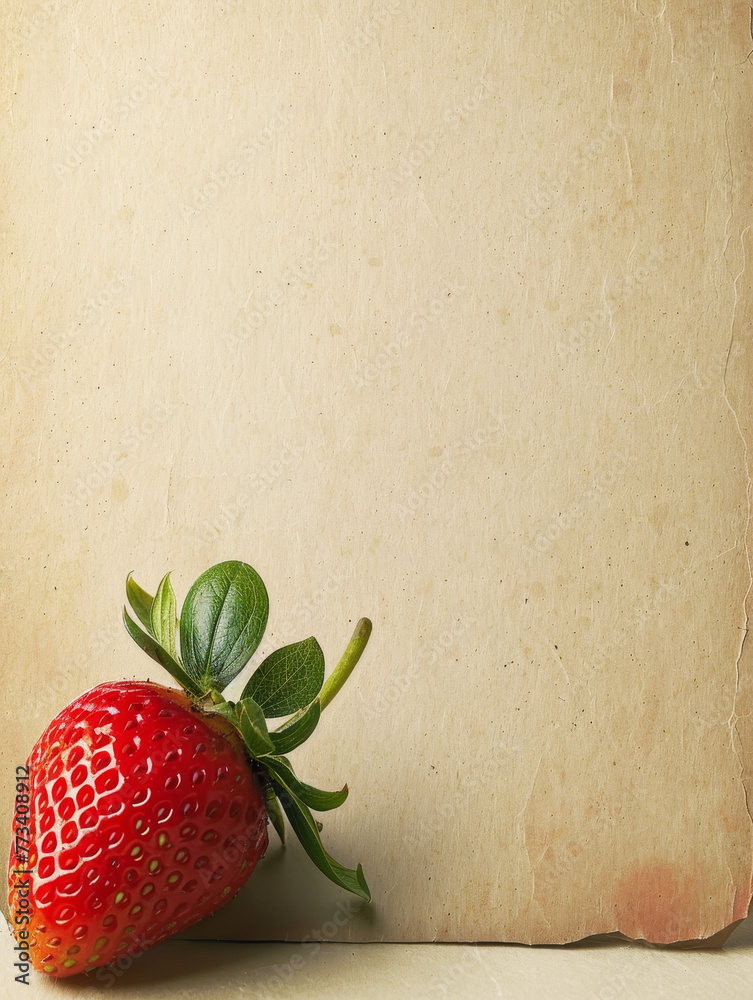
[438, 314]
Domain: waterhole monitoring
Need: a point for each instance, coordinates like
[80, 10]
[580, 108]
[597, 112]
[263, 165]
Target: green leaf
[140, 601]
[249, 720]
[288, 679]
[164, 616]
[314, 798]
[275, 812]
[254, 728]
[306, 830]
[222, 622]
[153, 648]
[290, 736]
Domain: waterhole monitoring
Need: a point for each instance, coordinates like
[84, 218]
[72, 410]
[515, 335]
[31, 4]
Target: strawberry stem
[348, 660]
[342, 671]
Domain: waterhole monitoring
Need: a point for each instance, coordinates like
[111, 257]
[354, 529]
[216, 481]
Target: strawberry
[149, 805]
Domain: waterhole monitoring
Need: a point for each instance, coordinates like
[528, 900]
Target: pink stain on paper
[658, 902]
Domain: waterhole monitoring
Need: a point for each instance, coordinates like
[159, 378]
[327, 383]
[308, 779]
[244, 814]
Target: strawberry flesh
[146, 816]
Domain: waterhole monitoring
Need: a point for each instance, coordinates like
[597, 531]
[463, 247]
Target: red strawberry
[147, 817]
[149, 805]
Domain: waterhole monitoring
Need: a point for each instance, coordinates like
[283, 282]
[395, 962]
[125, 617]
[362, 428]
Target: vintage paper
[439, 316]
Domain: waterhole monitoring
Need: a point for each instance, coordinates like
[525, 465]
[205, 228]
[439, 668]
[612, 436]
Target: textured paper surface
[439, 317]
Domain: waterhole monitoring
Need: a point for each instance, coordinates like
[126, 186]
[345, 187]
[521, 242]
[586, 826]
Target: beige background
[439, 317]
[199, 970]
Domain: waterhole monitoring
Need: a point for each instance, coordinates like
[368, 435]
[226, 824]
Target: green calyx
[207, 645]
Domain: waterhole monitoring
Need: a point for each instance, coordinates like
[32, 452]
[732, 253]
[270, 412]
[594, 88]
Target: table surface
[193, 970]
